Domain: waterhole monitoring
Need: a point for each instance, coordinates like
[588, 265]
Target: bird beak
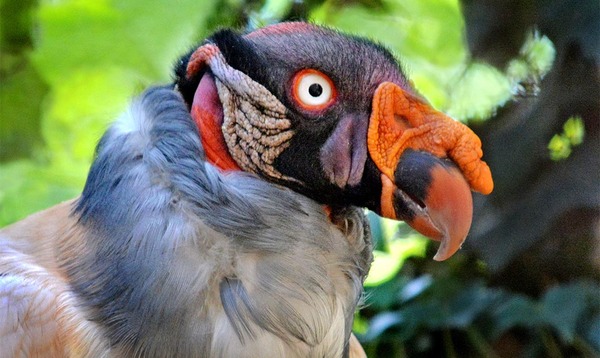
[428, 163]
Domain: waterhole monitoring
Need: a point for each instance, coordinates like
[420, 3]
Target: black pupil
[315, 90]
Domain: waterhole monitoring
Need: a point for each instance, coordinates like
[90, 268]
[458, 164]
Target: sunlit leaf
[142, 35]
[360, 325]
[95, 56]
[83, 106]
[28, 186]
[533, 63]
[518, 70]
[539, 53]
[560, 146]
[429, 36]
[479, 92]
[387, 264]
[574, 130]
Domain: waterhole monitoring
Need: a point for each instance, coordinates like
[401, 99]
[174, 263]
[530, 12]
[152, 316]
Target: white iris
[314, 89]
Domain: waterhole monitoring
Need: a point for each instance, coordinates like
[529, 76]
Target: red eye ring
[313, 90]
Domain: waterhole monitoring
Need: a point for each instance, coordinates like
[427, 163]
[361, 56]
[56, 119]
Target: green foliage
[535, 60]
[20, 136]
[394, 249]
[19, 82]
[271, 12]
[463, 309]
[89, 58]
[560, 146]
[479, 92]
[539, 53]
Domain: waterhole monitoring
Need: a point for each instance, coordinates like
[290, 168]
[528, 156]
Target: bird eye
[313, 90]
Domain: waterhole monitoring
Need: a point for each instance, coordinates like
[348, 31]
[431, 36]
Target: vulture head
[333, 117]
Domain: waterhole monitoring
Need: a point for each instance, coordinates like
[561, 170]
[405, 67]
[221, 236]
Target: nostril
[402, 122]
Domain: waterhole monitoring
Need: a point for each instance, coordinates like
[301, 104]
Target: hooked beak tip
[445, 210]
[449, 209]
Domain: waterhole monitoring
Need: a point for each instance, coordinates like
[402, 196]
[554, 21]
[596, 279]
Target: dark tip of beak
[433, 197]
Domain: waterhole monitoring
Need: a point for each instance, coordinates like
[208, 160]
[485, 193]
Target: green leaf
[28, 186]
[517, 310]
[533, 63]
[574, 130]
[22, 90]
[17, 21]
[138, 35]
[539, 53]
[469, 303]
[383, 269]
[83, 106]
[382, 322]
[386, 265]
[593, 333]
[414, 288]
[562, 307]
[360, 325]
[518, 70]
[479, 92]
[95, 56]
[385, 295]
[21, 100]
[560, 145]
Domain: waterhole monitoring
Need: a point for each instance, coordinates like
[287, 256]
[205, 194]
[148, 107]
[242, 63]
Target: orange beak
[429, 162]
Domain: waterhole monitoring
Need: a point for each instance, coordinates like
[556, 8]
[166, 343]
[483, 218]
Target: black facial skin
[273, 61]
[414, 172]
[413, 176]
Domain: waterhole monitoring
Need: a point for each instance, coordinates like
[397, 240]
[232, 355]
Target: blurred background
[523, 74]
